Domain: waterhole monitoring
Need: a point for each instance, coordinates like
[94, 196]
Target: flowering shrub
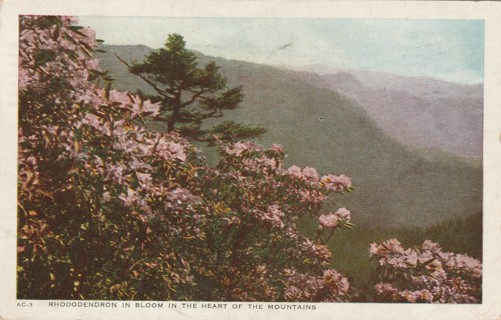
[256, 241]
[110, 210]
[94, 186]
[425, 274]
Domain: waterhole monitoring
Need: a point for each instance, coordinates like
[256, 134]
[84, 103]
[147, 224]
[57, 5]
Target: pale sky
[451, 50]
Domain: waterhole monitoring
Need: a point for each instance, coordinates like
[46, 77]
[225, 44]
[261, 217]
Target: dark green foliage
[231, 131]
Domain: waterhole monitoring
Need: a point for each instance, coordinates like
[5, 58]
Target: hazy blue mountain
[418, 111]
[395, 184]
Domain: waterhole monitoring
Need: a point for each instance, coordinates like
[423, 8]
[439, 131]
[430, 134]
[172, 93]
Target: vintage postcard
[250, 159]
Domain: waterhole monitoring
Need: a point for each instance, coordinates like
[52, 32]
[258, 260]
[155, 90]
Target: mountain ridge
[419, 111]
[396, 184]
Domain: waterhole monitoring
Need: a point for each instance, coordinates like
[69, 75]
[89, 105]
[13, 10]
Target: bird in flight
[285, 46]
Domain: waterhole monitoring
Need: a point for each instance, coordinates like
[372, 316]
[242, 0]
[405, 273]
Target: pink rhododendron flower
[144, 179]
[130, 198]
[328, 221]
[169, 150]
[295, 171]
[90, 35]
[320, 251]
[119, 97]
[274, 215]
[344, 214]
[181, 196]
[336, 183]
[314, 197]
[238, 148]
[277, 148]
[152, 108]
[374, 249]
[271, 215]
[310, 174]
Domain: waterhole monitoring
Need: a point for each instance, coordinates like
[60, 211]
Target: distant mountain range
[418, 111]
[321, 121]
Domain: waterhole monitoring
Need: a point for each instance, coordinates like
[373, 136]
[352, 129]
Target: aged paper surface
[489, 12]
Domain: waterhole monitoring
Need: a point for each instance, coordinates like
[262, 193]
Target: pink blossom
[344, 285]
[431, 246]
[374, 249]
[135, 164]
[292, 293]
[120, 97]
[320, 251]
[144, 179]
[181, 196]
[295, 172]
[92, 120]
[310, 174]
[272, 215]
[138, 107]
[277, 148]
[152, 108]
[411, 257]
[328, 221]
[307, 174]
[238, 148]
[267, 162]
[330, 286]
[106, 196]
[130, 198]
[262, 164]
[115, 173]
[91, 36]
[26, 77]
[92, 64]
[344, 214]
[468, 263]
[383, 288]
[393, 245]
[336, 183]
[313, 196]
[170, 150]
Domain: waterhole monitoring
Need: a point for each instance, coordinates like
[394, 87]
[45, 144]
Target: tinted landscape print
[245, 159]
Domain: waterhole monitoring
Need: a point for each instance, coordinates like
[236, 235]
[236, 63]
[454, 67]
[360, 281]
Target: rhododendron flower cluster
[331, 220]
[425, 274]
[304, 287]
[336, 183]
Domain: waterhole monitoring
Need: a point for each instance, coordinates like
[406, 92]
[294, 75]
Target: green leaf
[75, 28]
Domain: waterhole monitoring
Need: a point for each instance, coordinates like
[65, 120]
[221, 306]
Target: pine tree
[190, 94]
